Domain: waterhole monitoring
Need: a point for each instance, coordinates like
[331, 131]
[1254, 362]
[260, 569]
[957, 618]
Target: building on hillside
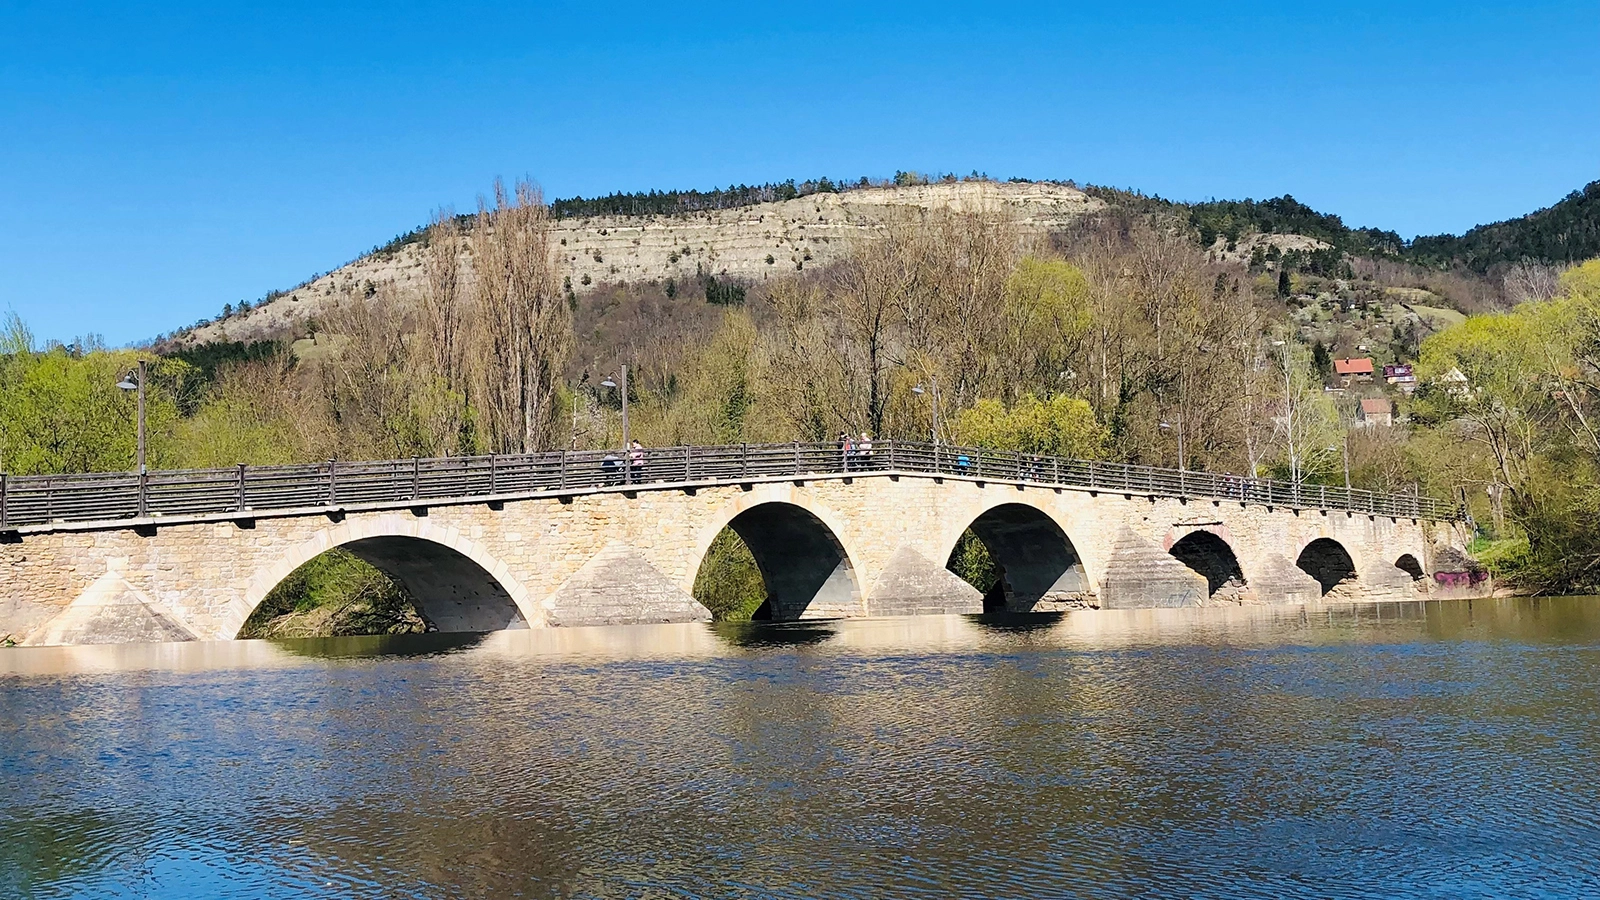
[1353, 371]
[1454, 383]
[1401, 376]
[1377, 411]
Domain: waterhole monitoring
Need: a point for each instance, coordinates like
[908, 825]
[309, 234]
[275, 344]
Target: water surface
[1410, 750]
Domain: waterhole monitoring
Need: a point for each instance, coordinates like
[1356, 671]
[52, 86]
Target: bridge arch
[1408, 564]
[1210, 555]
[1327, 560]
[457, 585]
[1035, 558]
[800, 548]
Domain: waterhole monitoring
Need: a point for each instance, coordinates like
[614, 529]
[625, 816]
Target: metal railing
[37, 500]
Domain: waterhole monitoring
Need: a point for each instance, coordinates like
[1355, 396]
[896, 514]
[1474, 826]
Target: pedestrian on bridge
[636, 461]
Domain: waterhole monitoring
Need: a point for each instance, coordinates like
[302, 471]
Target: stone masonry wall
[896, 532]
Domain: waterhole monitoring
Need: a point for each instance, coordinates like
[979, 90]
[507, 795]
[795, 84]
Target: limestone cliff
[794, 235]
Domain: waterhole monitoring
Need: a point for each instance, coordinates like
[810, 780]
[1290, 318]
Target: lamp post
[1183, 457]
[934, 395]
[1288, 413]
[134, 381]
[1346, 455]
[627, 447]
[1332, 449]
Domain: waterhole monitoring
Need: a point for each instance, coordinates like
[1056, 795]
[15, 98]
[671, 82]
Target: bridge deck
[43, 502]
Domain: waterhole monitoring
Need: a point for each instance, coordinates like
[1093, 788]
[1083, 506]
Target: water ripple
[1434, 750]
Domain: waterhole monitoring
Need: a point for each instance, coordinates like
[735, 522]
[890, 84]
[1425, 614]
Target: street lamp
[627, 447]
[1330, 449]
[1183, 458]
[134, 381]
[919, 390]
[1345, 450]
[1288, 413]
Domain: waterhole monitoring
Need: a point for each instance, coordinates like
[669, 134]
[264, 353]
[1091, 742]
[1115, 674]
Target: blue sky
[158, 162]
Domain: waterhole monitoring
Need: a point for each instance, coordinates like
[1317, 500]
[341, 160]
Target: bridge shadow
[754, 635]
[1017, 622]
[379, 646]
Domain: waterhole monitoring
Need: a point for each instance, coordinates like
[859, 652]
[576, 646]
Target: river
[1396, 750]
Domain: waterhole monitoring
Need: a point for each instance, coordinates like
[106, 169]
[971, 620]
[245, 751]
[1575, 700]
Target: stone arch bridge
[489, 543]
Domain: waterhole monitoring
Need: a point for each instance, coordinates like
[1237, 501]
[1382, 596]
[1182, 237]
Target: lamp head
[608, 383]
[917, 390]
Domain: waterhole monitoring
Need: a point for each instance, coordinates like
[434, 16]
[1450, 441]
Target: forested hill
[1567, 232]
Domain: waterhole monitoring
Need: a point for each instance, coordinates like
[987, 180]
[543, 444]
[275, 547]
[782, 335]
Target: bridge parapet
[44, 502]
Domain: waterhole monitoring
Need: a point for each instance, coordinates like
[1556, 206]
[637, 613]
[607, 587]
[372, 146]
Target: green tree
[729, 583]
[62, 411]
[1059, 426]
[1321, 361]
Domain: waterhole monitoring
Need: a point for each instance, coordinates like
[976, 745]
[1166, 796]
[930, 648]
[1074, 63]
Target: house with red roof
[1357, 371]
[1377, 411]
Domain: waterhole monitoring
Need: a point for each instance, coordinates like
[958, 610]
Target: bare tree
[1531, 281]
[524, 326]
[441, 296]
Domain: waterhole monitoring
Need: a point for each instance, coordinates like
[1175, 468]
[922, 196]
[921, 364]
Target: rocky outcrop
[751, 243]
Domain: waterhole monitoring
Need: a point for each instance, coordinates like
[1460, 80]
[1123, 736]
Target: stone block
[111, 611]
[912, 585]
[1140, 575]
[620, 586]
[1384, 581]
[1278, 580]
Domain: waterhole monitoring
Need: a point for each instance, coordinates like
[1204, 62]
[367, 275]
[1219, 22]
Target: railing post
[1323, 489]
[241, 488]
[494, 472]
[1091, 474]
[331, 486]
[1055, 470]
[687, 457]
[1020, 475]
[416, 476]
[744, 460]
[979, 463]
[3, 489]
[891, 454]
[797, 457]
[144, 492]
